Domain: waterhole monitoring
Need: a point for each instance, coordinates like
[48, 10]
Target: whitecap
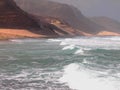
[79, 78]
[80, 51]
[85, 61]
[115, 38]
[54, 40]
[23, 74]
[17, 41]
[63, 43]
[69, 47]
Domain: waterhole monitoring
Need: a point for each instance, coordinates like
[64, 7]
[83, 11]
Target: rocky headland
[71, 15]
[47, 19]
[16, 23]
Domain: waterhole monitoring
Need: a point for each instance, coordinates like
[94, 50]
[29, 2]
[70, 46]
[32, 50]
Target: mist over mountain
[12, 17]
[14, 23]
[90, 8]
[65, 12]
[108, 23]
[43, 18]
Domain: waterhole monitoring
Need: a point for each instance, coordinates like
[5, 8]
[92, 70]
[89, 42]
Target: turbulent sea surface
[81, 63]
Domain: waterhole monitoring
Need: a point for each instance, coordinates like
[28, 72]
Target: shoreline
[7, 34]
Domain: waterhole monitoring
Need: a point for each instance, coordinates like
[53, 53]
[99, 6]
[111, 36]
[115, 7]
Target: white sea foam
[69, 47]
[80, 51]
[23, 74]
[25, 40]
[108, 43]
[85, 61]
[63, 43]
[77, 77]
[115, 38]
[54, 40]
[17, 41]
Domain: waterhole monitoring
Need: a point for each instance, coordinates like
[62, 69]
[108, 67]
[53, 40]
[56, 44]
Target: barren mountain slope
[64, 12]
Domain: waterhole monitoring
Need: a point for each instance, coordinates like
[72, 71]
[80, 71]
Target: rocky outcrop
[60, 26]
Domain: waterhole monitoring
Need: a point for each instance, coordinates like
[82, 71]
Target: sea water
[81, 63]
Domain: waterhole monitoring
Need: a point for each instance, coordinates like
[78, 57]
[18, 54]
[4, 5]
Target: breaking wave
[78, 77]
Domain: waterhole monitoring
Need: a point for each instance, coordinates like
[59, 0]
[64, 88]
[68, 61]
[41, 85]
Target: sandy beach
[15, 33]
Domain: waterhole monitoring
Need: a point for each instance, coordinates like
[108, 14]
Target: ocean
[80, 63]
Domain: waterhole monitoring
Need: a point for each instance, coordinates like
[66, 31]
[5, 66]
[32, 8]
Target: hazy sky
[109, 8]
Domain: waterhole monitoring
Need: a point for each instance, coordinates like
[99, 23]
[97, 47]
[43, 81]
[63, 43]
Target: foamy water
[94, 43]
[77, 77]
[82, 63]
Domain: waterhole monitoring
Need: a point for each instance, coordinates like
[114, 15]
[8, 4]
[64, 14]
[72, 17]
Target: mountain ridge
[65, 12]
[13, 18]
[108, 23]
[46, 19]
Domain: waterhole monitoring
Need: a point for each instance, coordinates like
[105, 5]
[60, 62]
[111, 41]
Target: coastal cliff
[69, 14]
[46, 19]
[16, 23]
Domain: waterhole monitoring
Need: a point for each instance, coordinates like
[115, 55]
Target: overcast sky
[109, 8]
